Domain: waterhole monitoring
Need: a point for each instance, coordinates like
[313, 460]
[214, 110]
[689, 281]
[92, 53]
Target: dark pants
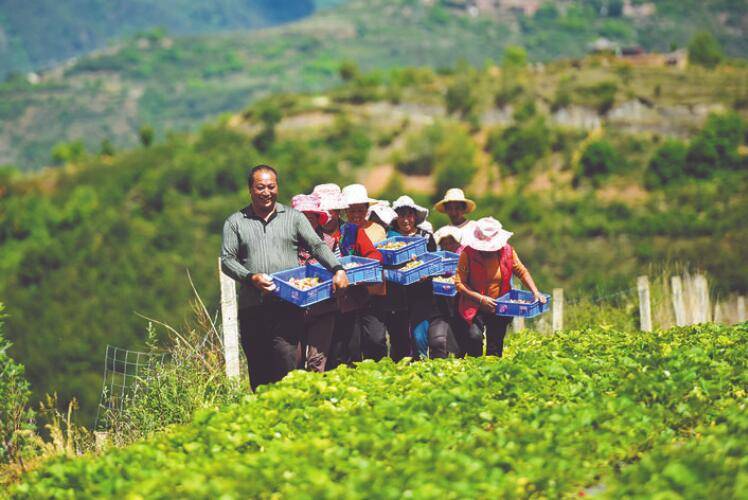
[495, 327]
[270, 336]
[373, 334]
[398, 326]
[346, 341]
[442, 339]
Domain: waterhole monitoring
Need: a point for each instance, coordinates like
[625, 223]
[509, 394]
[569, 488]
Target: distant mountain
[39, 33]
[175, 82]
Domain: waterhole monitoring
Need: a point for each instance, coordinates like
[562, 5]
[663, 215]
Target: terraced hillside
[173, 82]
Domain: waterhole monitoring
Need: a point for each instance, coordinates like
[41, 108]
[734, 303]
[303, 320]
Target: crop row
[593, 408]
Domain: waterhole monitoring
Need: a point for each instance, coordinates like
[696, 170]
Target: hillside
[36, 34]
[173, 83]
[594, 412]
[594, 200]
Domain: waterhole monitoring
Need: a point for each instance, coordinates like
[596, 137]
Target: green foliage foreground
[622, 413]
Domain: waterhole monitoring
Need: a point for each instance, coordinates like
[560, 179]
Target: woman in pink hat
[319, 320]
[484, 273]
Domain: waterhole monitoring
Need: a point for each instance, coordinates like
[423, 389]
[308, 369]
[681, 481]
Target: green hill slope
[176, 82]
[38, 33]
[561, 415]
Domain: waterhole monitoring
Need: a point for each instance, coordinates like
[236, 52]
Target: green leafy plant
[557, 415]
[16, 418]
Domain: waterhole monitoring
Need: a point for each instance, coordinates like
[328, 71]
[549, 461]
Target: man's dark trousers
[270, 335]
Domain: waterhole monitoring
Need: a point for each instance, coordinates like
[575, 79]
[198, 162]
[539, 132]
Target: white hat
[446, 231]
[383, 210]
[330, 197]
[356, 194]
[455, 194]
[426, 226]
[486, 235]
[407, 202]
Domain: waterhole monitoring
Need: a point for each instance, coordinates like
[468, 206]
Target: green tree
[705, 50]
[68, 152]
[599, 160]
[146, 134]
[515, 58]
[716, 146]
[461, 97]
[518, 147]
[349, 70]
[16, 419]
[667, 164]
[455, 163]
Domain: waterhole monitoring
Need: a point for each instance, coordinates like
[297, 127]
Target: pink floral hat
[310, 203]
[486, 235]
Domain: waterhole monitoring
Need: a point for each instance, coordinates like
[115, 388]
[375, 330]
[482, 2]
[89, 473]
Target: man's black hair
[260, 168]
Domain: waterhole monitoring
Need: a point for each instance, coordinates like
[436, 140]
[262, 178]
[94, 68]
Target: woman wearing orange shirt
[484, 273]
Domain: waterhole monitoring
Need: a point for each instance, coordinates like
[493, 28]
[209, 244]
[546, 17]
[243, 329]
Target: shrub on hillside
[716, 146]
[419, 155]
[461, 98]
[667, 164]
[455, 163]
[599, 160]
[704, 50]
[519, 146]
[604, 96]
[16, 419]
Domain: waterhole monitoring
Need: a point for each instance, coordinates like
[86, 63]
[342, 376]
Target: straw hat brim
[439, 207]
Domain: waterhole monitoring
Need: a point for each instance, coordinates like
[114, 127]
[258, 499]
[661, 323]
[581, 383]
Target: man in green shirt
[264, 238]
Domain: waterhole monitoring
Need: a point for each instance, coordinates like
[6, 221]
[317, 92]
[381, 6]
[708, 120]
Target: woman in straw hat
[484, 273]
[411, 307]
[319, 320]
[456, 206]
[357, 236]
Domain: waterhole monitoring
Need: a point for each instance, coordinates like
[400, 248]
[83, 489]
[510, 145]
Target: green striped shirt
[251, 245]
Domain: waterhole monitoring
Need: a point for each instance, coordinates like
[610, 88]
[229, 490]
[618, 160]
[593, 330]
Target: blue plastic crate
[303, 298]
[367, 271]
[449, 262]
[506, 305]
[431, 267]
[415, 246]
[444, 289]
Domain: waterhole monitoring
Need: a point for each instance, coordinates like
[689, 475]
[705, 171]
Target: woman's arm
[524, 275]
[365, 247]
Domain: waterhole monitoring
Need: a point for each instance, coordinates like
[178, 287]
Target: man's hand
[263, 282]
[539, 296]
[339, 281]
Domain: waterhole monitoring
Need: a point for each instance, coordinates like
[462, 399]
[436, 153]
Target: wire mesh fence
[123, 368]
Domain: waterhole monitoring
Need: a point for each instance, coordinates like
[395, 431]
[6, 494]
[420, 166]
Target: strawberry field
[592, 412]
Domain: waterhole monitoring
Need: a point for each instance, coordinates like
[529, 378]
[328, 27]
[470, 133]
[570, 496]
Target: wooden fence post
[741, 309]
[701, 314]
[229, 323]
[558, 309]
[645, 308]
[679, 305]
[518, 324]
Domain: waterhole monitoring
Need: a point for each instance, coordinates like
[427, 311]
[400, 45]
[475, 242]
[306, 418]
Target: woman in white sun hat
[381, 213]
[357, 237]
[484, 273]
[411, 307]
[456, 206]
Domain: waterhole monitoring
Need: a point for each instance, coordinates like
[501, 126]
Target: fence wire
[122, 369]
